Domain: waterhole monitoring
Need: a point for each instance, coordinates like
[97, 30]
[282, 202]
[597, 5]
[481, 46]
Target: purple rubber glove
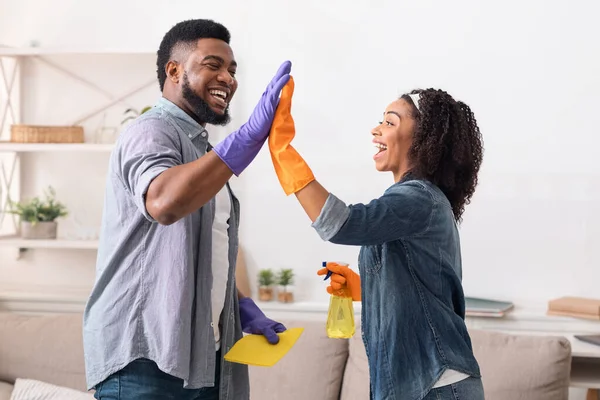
[239, 148]
[255, 322]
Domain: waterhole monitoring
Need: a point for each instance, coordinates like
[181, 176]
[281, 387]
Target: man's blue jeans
[142, 379]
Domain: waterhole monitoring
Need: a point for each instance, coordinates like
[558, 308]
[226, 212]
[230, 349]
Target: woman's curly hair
[447, 147]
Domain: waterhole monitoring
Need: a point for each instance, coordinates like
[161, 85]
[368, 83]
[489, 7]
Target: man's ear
[174, 71]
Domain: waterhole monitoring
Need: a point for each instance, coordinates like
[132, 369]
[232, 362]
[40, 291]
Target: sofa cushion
[5, 390]
[537, 367]
[356, 376]
[46, 348]
[522, 367]
[29, 389]
[312, 369]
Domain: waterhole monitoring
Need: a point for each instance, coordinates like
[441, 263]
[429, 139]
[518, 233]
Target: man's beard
[201, 108]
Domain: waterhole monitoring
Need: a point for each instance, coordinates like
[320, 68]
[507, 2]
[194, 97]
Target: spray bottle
[340, 318]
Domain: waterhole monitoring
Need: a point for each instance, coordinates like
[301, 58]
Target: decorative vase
[39, 230]
[285, 294]
[265, 293]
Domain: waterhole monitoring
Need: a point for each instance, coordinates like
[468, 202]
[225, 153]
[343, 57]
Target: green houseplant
[38, 217]
[266, 279]
[132, 113]
[285, 280]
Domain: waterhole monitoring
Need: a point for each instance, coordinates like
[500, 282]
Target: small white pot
[39, 230]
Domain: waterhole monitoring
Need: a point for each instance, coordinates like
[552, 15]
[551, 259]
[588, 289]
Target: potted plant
[266, 279]
[38, 217]
[132, 113]
[285, 279]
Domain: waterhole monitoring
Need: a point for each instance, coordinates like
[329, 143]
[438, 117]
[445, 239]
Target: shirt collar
[189, 125]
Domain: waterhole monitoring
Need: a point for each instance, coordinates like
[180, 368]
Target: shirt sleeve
[404, 210]
[148, 148]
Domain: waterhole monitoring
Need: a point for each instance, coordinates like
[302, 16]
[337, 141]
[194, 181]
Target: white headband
[415, 99]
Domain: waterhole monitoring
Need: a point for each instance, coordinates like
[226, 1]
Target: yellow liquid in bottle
[340, 319]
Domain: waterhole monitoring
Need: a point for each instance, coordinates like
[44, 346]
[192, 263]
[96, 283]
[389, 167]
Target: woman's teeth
[381, 147]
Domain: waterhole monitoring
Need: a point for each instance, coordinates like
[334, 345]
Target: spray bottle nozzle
[328, 271]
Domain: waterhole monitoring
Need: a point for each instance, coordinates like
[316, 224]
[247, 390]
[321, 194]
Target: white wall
[529, 70]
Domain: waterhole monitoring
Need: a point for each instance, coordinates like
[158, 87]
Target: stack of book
[578, 307]
[477, 307]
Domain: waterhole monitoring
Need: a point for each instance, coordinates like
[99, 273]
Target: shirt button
[212, 324]
[203, 134]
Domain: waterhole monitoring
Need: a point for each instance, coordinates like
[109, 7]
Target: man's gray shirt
[152, 294]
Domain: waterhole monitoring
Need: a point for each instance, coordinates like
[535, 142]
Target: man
[164, 308]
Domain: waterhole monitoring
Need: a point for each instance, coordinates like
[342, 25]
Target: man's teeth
[381, 146]
[219, 93]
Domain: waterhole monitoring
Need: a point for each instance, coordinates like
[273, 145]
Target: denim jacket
[413, 305]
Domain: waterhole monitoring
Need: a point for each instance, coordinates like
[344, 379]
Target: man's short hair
[185, 35]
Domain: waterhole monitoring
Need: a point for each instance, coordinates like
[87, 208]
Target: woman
[413, 304]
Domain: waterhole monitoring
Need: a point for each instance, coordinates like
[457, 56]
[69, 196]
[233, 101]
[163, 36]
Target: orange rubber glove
[344, 281]
[291, 169]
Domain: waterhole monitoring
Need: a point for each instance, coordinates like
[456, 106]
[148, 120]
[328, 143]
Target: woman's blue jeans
[467, 389]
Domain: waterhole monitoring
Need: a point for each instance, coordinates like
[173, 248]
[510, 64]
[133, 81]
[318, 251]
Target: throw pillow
[29, 389]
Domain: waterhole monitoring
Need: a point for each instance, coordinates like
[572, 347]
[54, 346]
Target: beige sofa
[49, 349]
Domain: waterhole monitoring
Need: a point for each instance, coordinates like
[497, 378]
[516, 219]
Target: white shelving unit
[43, 300]
[54, 147]
[6, 179]
[15, 241]
[53, 51]
[10, 153]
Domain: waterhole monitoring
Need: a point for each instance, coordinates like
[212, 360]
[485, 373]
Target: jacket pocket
[369, 259]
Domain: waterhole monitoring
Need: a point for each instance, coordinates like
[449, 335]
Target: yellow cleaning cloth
[255, 350]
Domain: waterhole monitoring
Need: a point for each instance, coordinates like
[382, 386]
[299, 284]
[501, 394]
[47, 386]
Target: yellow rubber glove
[291, 169]
[344, 281]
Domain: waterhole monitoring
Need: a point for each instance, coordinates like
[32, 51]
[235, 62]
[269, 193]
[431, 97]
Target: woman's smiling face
[393, 138]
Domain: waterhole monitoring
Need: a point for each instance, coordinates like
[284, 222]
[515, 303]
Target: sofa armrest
[6, 390]
[523, 367]
[45, 348]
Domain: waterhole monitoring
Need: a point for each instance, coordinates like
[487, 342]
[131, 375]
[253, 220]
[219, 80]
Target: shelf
[584, 374]
[46, 51]
[300, 306]
[579, 349]
[54, 147]
[41, 299]
[40, 293]
[14, 241]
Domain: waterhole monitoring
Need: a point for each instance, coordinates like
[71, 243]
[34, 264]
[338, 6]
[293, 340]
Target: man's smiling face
[208, 81]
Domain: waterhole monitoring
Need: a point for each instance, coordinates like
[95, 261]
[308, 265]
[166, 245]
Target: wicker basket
[46, 134]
